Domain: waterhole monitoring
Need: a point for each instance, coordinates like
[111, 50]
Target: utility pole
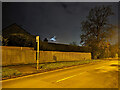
[37, 40]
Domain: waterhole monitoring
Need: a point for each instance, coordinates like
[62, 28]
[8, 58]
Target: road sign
[37, 38]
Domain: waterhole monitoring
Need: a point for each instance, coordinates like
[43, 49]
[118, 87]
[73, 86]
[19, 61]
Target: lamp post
[37, 40]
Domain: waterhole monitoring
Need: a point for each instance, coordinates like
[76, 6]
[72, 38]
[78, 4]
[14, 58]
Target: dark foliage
[97, 31]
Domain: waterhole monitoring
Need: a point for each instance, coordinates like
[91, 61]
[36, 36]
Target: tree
[96, 30]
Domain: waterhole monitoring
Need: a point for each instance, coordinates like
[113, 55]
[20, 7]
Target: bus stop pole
[37, 40]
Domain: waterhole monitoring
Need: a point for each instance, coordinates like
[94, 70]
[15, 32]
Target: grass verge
[49, 66]
[21, 70]
[7, 72]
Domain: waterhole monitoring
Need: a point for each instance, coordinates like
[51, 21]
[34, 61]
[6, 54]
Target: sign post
[37, 40]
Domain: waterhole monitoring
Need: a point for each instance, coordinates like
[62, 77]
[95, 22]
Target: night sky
[62, 20]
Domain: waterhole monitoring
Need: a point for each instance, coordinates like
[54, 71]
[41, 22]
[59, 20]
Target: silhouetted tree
[97, 30]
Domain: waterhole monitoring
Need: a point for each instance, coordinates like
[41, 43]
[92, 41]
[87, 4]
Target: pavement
[103, 74]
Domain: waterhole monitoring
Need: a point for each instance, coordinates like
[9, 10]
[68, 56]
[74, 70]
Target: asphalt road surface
[102, 74]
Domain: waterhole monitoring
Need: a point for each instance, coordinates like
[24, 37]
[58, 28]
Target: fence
[26, 55]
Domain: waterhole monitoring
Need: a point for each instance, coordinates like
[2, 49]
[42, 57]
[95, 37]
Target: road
[102, 74]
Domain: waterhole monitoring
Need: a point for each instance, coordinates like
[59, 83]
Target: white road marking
[100, 67]
[69, 77]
